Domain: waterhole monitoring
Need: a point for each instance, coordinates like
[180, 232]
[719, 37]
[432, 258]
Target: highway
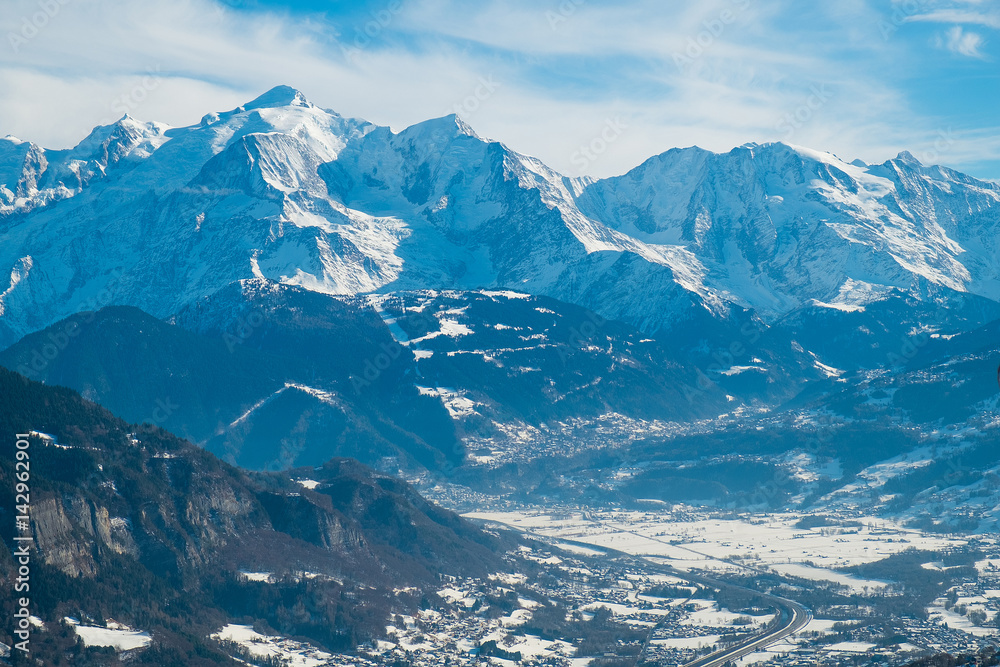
[792, 616]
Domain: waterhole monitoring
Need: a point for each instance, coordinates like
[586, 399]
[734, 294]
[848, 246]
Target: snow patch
[297, 654]
[117, 636]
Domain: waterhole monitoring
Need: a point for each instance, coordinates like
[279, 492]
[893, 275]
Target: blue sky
[861, 78]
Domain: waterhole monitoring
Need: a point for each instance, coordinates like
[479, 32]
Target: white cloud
[754, 77]
[966, 43]
[960, 16]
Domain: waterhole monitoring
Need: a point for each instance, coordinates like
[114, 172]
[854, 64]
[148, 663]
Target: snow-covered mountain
[157, 217]
[779, 226]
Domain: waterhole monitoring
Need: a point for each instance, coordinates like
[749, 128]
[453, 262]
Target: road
[792, 616]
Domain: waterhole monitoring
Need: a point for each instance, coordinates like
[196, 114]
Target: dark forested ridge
[135, 524]
[270, 377]
[265, 378]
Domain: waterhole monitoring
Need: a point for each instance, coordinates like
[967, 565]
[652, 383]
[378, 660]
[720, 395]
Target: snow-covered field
[295, 653]
[855, 584]
[941, 612]
[115, 635]
[688, 642]
[708, 614]
[691, 540]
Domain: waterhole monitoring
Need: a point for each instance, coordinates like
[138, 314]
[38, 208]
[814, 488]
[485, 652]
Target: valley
[845, 611]
[638, 541]
[673, 589]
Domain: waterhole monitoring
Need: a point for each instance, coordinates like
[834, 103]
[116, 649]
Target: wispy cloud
[716, 73]
[960, 16]
[963, 42]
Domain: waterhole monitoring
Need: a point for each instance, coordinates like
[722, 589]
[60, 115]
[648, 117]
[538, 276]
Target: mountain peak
[462, 126]
[444, 128]
[769, 148]
[279, 96]
[908, 158]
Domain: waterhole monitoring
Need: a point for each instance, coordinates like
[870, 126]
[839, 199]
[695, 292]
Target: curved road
[792, 615]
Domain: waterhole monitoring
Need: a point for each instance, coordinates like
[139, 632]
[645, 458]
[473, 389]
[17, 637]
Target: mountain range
[281, 284]
[157, 217]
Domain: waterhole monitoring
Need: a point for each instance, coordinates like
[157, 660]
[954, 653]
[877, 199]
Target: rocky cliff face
[69, 531]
